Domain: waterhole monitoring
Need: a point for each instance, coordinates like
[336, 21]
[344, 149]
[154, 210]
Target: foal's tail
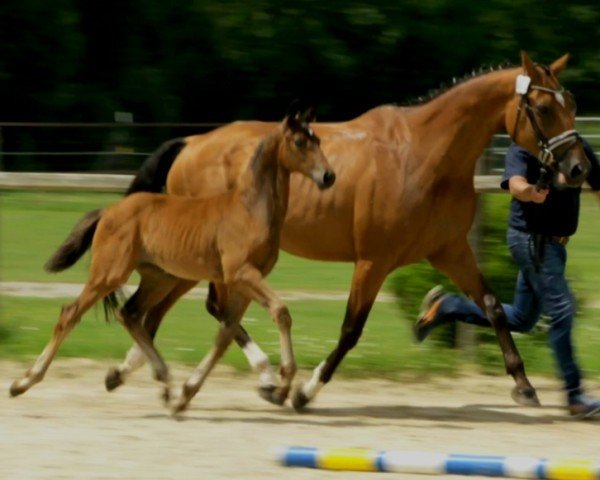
[152, 175]
[76, 244]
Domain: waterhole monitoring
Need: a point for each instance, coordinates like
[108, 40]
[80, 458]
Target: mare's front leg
[458, 262]
[154, 287]
[366, 282]
[232, 313]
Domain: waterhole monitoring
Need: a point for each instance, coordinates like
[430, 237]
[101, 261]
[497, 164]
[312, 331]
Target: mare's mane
[444, 87]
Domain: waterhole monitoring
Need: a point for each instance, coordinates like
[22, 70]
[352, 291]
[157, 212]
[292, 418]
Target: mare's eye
[543, 110]
[300, 142]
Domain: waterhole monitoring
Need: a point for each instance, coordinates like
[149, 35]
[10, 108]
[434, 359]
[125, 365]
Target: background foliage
[220, 60]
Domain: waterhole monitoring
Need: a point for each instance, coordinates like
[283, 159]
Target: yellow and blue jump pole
[361, 459]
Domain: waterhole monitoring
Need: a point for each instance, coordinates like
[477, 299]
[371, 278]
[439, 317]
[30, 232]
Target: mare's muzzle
[559, 155]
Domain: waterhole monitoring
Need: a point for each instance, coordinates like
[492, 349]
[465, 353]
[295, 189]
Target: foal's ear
[559, 65]
[309, 115]
[529, 67]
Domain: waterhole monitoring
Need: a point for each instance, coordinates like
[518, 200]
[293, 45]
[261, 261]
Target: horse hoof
[16, 389]
[166, 396]
[177, 409]
[272, 394]
[113, 379]
[299, 400]
[526, 397]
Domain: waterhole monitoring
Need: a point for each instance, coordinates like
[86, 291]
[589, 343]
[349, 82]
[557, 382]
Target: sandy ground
[69, 427]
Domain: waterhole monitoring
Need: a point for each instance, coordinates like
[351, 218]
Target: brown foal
[231, 239]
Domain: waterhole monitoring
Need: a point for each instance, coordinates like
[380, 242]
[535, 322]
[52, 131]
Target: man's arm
[526, 192]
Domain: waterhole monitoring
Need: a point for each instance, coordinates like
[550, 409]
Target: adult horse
[404, 192]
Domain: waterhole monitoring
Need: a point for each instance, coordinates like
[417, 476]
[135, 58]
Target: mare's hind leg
[135, 357]
[232, 313]
[154, 287]
[458, 262]
[69, 317]
[366, 282]
[258, 360]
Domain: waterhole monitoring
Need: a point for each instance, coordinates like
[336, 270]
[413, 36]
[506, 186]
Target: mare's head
[541, 119]
[300, 149]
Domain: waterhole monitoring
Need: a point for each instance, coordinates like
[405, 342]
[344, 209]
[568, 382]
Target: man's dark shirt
[559, 214]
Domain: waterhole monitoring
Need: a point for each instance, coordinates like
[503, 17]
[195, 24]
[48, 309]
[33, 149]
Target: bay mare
[404, 192]
[232, 239]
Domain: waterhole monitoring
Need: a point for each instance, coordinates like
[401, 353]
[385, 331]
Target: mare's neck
[451, 132]
[266, 183]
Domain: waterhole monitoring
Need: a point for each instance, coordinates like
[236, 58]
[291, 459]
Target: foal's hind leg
[135, 357]
[69, 317]
[458, 262]
[258, 360]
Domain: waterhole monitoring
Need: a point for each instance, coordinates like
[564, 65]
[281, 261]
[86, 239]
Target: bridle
[548, 146]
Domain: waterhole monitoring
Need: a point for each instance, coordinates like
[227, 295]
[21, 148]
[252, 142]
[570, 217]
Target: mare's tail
[152, 175]
[76, 244]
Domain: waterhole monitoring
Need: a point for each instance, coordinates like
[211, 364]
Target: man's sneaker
[582, 407]
[428, 320]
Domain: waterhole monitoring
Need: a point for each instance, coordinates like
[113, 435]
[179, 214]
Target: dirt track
[69, 427]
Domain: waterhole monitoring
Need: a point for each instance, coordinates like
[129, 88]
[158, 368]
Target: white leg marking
[311, 388]
[259, 362]
[134, 360]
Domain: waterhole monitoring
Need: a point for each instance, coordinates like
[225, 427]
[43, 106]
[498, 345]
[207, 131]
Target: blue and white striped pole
[360, 459]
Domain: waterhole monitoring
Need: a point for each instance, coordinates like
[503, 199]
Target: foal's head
[541, 118]
[300, 149]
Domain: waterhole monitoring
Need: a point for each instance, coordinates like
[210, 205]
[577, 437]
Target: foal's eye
[300, 142]
[543, 110]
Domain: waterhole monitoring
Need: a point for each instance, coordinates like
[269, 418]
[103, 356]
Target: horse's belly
[191, 269]
[322, 239]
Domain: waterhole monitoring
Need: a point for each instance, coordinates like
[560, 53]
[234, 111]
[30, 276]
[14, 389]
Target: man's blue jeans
[545, 290]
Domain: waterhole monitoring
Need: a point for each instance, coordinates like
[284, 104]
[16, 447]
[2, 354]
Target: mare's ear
[529, 67]
[559, 65]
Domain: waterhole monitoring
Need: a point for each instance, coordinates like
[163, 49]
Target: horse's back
[319, 225]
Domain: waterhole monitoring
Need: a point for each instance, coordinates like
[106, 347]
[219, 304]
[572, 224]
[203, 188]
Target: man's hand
[524, 191]
[538, 196]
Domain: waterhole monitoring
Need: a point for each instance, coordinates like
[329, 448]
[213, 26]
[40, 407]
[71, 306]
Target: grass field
[33, 224]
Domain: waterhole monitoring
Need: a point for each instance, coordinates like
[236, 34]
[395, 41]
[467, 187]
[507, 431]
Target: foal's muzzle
[324, 179]
[328, 179]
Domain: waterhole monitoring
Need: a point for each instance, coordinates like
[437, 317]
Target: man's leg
[521, 316]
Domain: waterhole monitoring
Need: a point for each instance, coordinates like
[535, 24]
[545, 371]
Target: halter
[547, 146]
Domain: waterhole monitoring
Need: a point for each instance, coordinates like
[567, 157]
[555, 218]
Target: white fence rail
[97, 182]
[491, 161]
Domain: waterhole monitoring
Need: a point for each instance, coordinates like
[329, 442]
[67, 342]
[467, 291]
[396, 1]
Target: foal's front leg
[251, 281]
[258, 360]
[232, 313]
